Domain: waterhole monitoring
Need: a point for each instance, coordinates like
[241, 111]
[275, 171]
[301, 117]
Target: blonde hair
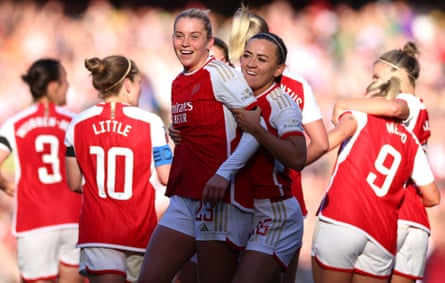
[405, 59]
[244, 26]
[388, 89]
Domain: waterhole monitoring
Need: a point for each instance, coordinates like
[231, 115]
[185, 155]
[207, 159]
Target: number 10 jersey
[113, 144]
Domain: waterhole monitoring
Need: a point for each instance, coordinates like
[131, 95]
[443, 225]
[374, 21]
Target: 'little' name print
[112, 126]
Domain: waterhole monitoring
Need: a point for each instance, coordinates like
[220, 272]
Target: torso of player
[201, 103]
[44, 200]
[268, 176]
[368, 178]
[114, 149]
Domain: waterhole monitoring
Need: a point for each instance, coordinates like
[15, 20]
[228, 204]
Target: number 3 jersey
[366, 186]
[113, 144]
[35, 138]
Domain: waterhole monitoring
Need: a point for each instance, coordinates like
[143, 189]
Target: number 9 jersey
[43, 200]
[367, 185]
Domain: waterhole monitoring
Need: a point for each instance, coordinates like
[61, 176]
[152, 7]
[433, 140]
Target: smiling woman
[277, 215]
[202, 96]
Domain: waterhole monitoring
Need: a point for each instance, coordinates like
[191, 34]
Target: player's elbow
[299, 165]
[431, 202]
[431, 197]
[74, 185]
[163, 173]
[298, 158]
[323, 147]
[398, 110]
[298, 161]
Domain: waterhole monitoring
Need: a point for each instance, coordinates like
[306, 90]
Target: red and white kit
[278, 222]
[301, 92]
[118, 203]
[268, 176]
[393, 155]
[35, 138]
[412, 211]
[414, 226]
[201, 103]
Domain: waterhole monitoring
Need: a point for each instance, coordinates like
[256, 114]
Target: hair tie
[122, 78]
[396, 67]
[275, 40]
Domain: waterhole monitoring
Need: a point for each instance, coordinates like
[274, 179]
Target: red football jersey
[35, 137]
[268, 176]
[113, 144]
[201, 103]
[366, 187]
[412, 210]
[301, 92]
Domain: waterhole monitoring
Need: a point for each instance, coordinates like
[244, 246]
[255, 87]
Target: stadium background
[227, 7]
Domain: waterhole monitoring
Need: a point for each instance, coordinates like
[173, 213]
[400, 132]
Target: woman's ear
[210, 43]
[52, 88]
[127, 85]
[279, 70]
[405, 83]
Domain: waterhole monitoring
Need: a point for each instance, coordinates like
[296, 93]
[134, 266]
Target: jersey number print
[386, 165]
[50, 158]
[109, 189]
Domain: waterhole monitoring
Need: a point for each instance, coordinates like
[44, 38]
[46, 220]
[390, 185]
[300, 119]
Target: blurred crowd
[332, 46]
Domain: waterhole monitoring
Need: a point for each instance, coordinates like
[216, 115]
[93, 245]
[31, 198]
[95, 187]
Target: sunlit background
[332, 44]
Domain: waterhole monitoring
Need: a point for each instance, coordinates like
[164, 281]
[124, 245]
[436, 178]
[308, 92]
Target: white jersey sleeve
[311, 110]
[229, 86]
[288, 120]
[422, 173]
[285, 116]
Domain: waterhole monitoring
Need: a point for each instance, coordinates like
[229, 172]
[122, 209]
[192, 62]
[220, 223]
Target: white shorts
[345, 248]
[40, 253]
[277, 229]
[94, 261]
[220, 222]
[412, 247]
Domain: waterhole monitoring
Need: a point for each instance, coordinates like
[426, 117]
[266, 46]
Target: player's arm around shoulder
[395, 108]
